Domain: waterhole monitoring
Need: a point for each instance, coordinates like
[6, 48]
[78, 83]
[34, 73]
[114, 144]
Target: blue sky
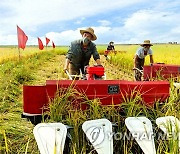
[121, 21]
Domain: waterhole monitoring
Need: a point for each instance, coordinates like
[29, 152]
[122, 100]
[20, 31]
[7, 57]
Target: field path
[53, 69]
[50, 70]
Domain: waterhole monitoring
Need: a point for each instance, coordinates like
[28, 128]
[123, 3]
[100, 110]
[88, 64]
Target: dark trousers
[139, 65]
[76, 71]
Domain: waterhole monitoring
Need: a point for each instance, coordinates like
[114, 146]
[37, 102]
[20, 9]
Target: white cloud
[104, 22]
[8, 39]
[65, 37]
[30, 13]
[152, 24]
[157, 23]
[79, 21]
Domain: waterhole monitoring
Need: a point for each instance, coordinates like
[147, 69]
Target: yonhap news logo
[97, 135]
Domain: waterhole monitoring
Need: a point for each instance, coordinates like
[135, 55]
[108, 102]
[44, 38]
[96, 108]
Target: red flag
[41, 46]
[47, 41]
[22, 38]
[53, 44]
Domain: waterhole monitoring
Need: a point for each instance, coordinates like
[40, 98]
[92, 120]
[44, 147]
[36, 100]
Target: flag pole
[18, 43]
[47, 41]
[19, 53]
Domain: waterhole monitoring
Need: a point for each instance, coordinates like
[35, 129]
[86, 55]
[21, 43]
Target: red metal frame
[164, 70]
[35, 98]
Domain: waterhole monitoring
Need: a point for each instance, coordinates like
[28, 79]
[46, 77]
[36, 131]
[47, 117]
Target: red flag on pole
[41, 46]
[22, 38]
[47, 41]
[53, 44]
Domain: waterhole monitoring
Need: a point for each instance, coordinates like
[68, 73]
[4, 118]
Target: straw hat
[89, 30]
[146, 42]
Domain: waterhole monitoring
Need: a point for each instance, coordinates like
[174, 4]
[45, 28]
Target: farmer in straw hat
[139, 58]
[80, 52]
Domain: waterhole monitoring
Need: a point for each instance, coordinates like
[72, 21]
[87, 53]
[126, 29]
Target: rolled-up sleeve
[150, 52]
[69, 54]
[138, 52]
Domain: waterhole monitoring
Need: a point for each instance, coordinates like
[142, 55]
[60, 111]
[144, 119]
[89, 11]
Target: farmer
[80, 52]
[109, 49]
[139, 58]
[111, 46]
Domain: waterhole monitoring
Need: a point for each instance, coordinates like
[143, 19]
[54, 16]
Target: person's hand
[65, 69]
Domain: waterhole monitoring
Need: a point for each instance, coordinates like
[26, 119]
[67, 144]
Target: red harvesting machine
[107, 91]
[163, 70]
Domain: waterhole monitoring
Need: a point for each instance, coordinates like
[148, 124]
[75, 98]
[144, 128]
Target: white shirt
[140, 52]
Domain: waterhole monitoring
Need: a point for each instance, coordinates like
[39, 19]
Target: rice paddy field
[35, 67]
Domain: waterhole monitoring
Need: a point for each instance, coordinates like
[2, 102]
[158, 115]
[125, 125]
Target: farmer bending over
[139, 58]
[80, 52]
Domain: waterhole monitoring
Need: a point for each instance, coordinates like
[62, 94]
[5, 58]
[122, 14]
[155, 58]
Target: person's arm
[66, 64]
[151, 56]
[151, 59]
[96, 55]
[68, 57]
[135, 60]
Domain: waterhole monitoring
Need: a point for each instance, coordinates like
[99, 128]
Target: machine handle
[68, 74]
[141, 71]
